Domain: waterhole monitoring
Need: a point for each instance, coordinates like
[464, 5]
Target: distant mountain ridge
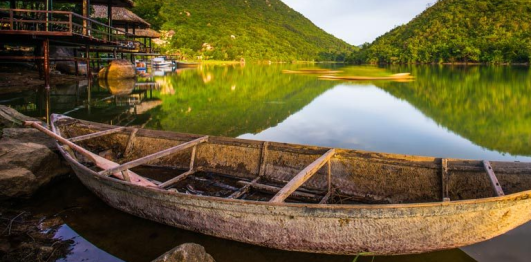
[491, 31]
[234, 29]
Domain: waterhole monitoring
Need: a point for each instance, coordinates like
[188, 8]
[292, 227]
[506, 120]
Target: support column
[87, 57]
[12, 4]
[76, 63]
[109, 16]
[86, 13]
[46, 48]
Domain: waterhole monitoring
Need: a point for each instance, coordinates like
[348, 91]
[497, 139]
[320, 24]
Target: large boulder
[26, 166]
[186, 253]
[29, 135]
[66, 67]
[118, 69]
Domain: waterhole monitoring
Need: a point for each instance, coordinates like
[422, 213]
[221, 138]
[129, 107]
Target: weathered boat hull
[376, 230]
[387, 229]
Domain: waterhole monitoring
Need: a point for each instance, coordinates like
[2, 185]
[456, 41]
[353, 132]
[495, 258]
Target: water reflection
[458, 112]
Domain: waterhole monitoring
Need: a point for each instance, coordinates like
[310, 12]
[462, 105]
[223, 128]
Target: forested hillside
[491, 31]
[234, 29]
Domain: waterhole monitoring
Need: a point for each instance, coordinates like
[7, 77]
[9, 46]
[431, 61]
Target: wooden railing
[61, 23]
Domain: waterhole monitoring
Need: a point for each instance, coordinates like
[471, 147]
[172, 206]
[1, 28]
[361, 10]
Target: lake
[473, 112]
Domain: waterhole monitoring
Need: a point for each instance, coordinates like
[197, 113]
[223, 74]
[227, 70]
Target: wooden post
[46, 48]
[13, 4]
[302, 177]
[445, 179]
[76, 63]
[87, 56]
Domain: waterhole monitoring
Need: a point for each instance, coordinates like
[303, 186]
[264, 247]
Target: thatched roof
[120, 16]
[147, 33]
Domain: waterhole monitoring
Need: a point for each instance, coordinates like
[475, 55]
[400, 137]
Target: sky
[359, 21]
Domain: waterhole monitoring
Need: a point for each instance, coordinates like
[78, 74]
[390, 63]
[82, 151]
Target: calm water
[453, 112]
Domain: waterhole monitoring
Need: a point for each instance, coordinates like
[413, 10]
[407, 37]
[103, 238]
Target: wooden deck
[61, 26]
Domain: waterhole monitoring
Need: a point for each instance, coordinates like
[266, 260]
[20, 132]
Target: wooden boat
[293, 197]
[182, 64]
[398, 77]
[161, 62]
[312, 71]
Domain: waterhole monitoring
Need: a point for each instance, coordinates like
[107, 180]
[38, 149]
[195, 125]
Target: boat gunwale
[510, 197]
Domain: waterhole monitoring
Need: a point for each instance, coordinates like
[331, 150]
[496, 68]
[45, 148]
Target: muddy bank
[19, 77]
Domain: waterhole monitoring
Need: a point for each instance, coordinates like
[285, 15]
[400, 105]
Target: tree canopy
[250, 29]
[489, 31]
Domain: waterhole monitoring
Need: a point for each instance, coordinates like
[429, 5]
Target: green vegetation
[231, 30]
[489, 31]
[489, 106]
[231, 101]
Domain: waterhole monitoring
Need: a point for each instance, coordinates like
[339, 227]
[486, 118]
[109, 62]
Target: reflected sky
[368, 118]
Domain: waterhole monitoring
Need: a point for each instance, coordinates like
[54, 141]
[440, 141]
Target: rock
[29, 135]
[16, 181]
[186, 253]
[118, 69]
[26, 166]
[66, 67]
[10, 117]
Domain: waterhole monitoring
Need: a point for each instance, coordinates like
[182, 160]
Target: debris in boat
[188, 252]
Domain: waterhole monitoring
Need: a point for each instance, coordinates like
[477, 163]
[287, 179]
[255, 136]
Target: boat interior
[277, 172]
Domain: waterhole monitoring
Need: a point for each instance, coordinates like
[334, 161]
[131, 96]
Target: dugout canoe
[294, 197]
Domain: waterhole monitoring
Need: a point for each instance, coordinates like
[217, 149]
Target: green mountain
[234, 29]
[490, 31]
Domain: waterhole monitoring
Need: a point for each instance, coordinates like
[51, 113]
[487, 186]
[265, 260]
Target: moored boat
[397, 77]
[183, 64]
[293, 197]
[160, 62]
[312, 71]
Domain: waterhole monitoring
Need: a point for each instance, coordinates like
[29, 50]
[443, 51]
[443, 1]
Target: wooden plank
[130, 142]
[445, 179]
[263, 159]
[273, 190]
[244, 189]
[192, 158]
[99, 161]
[325, 199]
[149, 158]
[177, 179]
[97, 134]
[493, 179]
[302, 177]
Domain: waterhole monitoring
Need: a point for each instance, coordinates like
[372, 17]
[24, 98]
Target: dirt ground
[15, 76]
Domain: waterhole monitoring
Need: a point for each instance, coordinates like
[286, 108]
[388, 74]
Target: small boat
[140, 65]
[182, 64]
[295, 197]
[401, 76]
[312, 71]
[160, 62]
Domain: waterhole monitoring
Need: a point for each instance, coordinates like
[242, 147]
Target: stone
[26, 166]
[66, 67]
[188, 252]
[29, 135]
[16, 182]
[118, 69]
[10, 117]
